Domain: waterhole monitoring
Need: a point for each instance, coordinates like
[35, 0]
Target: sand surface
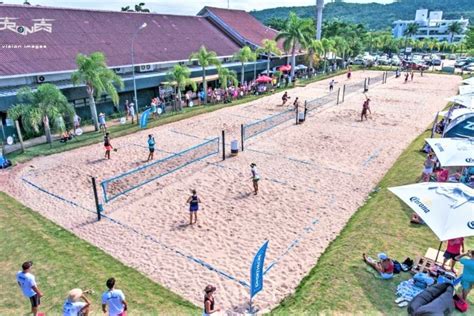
[314, 177]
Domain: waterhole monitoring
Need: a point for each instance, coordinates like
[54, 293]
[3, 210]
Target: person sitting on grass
[384, 267]
[416, 219]
[467, 279]
[65, 137]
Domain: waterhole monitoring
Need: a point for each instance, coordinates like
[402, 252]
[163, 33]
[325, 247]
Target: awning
[196, 80]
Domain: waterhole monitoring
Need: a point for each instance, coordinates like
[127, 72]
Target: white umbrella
[456, 112]
[447, 208]
[466, 89]
[466, 100]
[453, 151]
[469, 81]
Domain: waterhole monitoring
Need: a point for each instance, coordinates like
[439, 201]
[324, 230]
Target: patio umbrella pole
[439, 249]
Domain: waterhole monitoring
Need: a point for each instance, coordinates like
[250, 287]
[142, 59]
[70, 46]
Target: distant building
[431, 26]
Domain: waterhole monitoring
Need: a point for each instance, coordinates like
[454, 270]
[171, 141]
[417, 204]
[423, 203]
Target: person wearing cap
[255, 177]
[102, 124]
[131, 111]
[209, 302]
[73, 307]
[114, 299]
[385, 266]
[26, 281]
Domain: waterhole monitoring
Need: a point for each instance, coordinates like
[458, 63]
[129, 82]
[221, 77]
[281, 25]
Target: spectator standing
[131, 111]
[102, 124]
[428, 168]
[77, 121]
[73, 306]
[454, 248]
[255, 177]
[151, 147]
[27, 282]
[114, 300]
[209, 301]
[125, 109]
[467, 272]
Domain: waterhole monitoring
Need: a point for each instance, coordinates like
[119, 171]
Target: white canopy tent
[453, 151]
[447, 208]
[469, 81]
[456, 112]
[466, 100]
[466, 89]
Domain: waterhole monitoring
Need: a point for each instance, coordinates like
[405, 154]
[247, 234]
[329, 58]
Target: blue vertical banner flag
[144, 118]
[256, 272]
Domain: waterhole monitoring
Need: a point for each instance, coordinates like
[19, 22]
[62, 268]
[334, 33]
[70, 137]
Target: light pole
[133, 69]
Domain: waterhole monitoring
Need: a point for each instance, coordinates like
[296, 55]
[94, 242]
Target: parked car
[414, 65]
[468, 66]
[460, 63]
[436, 62]
[395, 61]
[384, 60]
[359, 61]
[452, 57]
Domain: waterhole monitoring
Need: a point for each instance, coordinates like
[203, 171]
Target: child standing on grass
[193, 202]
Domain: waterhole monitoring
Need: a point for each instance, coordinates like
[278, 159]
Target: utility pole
[319, 17]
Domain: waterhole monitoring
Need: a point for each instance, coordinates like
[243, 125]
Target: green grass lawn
[122, 130]
[340, 282]
[62, 262]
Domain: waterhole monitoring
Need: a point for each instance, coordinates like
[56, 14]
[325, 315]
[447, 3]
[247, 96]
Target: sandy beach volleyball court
[314, 177]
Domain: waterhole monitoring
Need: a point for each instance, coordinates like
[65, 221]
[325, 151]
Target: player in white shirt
[28, 286]
[73, 307]
[114, 300]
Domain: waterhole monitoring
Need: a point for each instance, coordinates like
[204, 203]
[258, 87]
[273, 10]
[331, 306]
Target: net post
[365, 85]
[223, 145]
[96, 197]
[296, 111]
[343, 93]
[338, 93]
[242, 136]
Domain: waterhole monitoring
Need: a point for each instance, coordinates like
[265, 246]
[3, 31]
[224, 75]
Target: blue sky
[190, 7]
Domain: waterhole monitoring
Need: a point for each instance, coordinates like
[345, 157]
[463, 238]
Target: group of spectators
[78, 303]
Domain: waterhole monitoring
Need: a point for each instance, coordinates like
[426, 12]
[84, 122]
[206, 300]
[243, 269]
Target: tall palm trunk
[242, 75]
[20, 136]
[311, 58]
[255, 70]
[95, 121]
[180, 101]
[204, 84]
[293, 63]
[47, 130]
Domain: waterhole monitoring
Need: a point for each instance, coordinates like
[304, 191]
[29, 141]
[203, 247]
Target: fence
[253, 129]
[326, 99]
[133, 179]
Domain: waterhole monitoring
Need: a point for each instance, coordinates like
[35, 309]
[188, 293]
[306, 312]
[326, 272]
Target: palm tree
[269, 48]
[315, 48]
[179, 76]
[93, 72]
[340, 46]
[226, 75]
[140, 7]
[38, 108]
[297, 32]
[432, 44]
[205, 59]
[454, 29]
[411, 30]
[328, 46]
[244, 55]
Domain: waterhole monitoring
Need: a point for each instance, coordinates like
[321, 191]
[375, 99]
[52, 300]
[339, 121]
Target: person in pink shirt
[455, 248]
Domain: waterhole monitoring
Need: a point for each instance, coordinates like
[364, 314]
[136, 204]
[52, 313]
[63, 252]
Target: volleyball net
[377, 79]
[135, 178]
[255, 128]
[321, 101]
[353, 87]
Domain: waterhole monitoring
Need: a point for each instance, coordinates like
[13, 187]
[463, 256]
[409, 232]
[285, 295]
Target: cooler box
[234, 147]
[300, 117]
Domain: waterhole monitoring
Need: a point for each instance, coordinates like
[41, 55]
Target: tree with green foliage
[38, 108]
[454, 29]
[470, 38]
[341, 47]
[244, 55]
[315, 50]
[179, 76]
[93, 72]
[138, 8]
[297, 33]
[411, 30]
[269, 48]
[276, 23]
[225, 76]
[328, 47]
[205, 59]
